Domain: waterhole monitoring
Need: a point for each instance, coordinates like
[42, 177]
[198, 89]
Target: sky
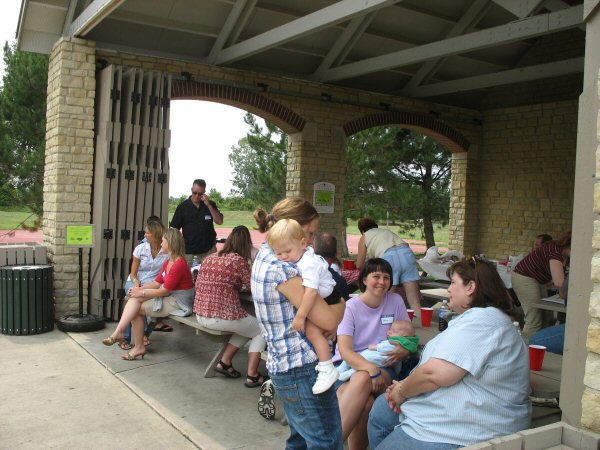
[202, 133]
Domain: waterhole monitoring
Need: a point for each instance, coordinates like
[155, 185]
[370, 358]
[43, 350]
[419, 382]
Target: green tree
[401, 173]
[215, 196]
[259, 163]
[23, 126]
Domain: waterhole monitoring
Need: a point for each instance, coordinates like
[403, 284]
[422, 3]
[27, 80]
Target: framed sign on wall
[324, 197]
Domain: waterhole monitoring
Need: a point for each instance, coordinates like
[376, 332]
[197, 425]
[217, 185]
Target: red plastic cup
[349, 264]
[536, 356]
[411, 314]
[426, 316]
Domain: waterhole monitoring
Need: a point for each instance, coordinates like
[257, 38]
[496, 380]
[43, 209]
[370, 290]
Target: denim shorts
[404, 264]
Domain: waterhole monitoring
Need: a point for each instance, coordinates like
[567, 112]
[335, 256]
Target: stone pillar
[586, 231]
[318, 154]
[463, 201]
[69, 161]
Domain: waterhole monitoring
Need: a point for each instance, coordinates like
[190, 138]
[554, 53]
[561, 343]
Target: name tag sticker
[208, 217]
[387, 319]
[164, 274]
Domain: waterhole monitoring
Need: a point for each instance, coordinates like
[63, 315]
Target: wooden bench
[214, 335]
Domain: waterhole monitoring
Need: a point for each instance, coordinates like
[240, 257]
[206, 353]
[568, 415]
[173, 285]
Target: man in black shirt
[195, 217]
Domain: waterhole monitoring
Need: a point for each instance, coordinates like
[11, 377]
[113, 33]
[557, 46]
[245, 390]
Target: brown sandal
[227, 370]
[258, 380]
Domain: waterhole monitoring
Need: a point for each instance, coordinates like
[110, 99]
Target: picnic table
[438, 270]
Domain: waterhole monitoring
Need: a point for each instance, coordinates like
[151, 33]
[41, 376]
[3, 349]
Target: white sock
[329, 362]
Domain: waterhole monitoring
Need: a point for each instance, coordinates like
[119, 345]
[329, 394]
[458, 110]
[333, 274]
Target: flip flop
[126, 345]
[165, 328]
[147, 342]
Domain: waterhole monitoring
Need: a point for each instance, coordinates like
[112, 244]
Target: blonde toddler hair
[284, 230]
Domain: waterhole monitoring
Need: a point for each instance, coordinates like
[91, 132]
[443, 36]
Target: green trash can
[26, 301]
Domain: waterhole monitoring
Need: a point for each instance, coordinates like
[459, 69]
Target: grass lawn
[12, 218]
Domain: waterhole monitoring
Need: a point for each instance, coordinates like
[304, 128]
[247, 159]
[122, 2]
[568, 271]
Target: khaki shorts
[169, 304]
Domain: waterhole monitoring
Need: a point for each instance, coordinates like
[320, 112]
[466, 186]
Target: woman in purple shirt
[366, 320]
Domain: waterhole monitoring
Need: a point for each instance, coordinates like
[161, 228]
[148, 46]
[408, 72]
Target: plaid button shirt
[287, 348]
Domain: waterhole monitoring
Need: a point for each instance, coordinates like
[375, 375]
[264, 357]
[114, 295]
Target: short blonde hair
[176, 243]
[284, 230]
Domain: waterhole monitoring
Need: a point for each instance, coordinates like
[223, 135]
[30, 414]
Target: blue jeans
[553, 338]
[314, 420]
[386, 434]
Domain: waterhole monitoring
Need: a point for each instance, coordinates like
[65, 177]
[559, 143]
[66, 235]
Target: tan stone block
[593, 337]
[594, 308]
[590, 410]
[592, 371]
[596, 268]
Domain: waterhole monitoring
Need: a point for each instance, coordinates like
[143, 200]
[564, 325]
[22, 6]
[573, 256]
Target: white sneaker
[266, 400]
[328, 374]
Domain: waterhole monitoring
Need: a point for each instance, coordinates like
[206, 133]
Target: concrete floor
[70, 391]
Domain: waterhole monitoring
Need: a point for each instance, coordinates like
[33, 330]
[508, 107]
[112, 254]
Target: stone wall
[68, 161]
[317, 136]
[590, 402]
[525, 176]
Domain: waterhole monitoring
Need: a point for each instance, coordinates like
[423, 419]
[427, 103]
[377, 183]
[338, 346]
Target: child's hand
[299, 323]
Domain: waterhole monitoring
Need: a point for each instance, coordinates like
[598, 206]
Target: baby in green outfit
[401, 331]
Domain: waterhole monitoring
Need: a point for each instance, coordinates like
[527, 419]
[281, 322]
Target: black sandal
[227, 370]
[256, 381]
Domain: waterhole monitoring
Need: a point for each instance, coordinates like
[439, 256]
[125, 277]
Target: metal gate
[131, 168]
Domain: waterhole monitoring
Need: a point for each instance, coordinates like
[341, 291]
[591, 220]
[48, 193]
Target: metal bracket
[130, 174]
[115, 94]
[111, 173]
[146, 176]
[140, 235]
[162, 178]
[125, 235]
[105, 294]
[108, 233]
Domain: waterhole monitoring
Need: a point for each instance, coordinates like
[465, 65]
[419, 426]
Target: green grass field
[11, 218]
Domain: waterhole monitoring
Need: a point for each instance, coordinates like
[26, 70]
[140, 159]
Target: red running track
[23, 236]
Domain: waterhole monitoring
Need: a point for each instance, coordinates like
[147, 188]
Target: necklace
[154, 250]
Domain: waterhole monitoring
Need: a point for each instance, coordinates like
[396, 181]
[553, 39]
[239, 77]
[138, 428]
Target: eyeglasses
[196, 193]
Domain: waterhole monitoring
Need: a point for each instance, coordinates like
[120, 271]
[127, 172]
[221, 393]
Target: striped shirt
[492, 400]
[288, 349]
[536, 265]
[149, 267]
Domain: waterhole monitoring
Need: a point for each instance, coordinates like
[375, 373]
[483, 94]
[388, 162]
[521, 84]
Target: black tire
[80, 324]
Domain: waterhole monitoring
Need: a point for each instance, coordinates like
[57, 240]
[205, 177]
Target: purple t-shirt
[369, 325]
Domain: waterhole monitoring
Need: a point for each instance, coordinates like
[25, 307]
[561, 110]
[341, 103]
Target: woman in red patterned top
[172, 293]
[217, 303]
[532, 275]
